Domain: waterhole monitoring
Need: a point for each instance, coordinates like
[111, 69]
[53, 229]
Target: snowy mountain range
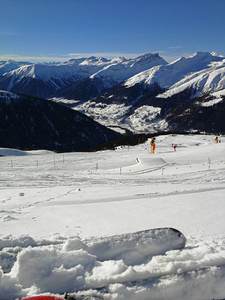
[7, 66]
[141, 95]
[185, 95]
[10, 65]
[45, 80]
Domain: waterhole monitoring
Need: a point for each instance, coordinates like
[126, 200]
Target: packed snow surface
[81, 222]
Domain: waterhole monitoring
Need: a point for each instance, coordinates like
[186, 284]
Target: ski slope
[60, 213]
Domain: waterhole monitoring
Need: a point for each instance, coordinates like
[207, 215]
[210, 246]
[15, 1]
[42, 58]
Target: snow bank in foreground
[129, 266]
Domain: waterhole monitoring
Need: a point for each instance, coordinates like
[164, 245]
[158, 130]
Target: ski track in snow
[52, 206]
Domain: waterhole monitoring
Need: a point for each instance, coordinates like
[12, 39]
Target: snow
[217, 98]
[143, 118]
[105, 114]
[147, 119]
[208, 80]
[177, 74]
[202, 72]
[78, 222]
[64, 73]
[121, 69]
[60, 75]
[7, 66]
[211, 102]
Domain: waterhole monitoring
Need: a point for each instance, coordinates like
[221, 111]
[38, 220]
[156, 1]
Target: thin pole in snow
[209, 162]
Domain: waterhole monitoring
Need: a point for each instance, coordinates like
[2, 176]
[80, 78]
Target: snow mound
[99, 266]
[78, 265]
[15, 152]
[11, 152]
[134, 247]
[145, 165]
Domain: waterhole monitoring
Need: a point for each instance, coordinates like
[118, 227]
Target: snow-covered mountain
[142, 102]
[44, 80]
[7, 66]
[167, 75]
[121, 70]
[33, 123]
[141, 95]
[207, 80]
[110, 75]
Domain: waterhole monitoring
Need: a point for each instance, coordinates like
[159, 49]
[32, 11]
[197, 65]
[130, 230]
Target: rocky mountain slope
[32, 123]
[204, 113]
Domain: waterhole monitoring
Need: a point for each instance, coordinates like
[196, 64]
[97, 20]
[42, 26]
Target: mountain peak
[201, 54]
[148, 56]
[149, 59]
[74, 61]
[93, 60]
[11, 65]
[119, 59]
[216, 54]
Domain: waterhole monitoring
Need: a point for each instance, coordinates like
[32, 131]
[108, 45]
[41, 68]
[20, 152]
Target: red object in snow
[42, 298]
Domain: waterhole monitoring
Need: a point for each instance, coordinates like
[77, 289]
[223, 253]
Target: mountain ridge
[59, 76]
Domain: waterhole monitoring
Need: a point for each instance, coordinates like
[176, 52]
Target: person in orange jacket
[152, 143]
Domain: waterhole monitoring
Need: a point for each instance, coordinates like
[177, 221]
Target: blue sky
[57, 30]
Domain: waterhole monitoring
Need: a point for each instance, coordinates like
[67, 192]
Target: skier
[153, 148]
[152, 143]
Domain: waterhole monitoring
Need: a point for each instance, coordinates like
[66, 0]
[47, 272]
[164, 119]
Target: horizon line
[57, 58]
[65, 57]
